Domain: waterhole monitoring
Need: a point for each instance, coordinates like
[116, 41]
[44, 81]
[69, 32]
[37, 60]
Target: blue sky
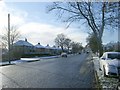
[36, 10]
[38, 26]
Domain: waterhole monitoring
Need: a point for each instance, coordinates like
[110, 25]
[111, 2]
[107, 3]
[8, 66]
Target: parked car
[79, 53]
[87, 52]
[110, 63]
[63, 54]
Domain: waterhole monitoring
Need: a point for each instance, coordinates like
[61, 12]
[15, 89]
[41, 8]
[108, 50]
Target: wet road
[76, 71]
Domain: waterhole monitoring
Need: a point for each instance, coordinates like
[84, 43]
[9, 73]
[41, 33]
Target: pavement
[105, 82]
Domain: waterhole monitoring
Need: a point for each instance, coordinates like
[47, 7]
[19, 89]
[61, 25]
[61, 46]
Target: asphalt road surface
[75, 71]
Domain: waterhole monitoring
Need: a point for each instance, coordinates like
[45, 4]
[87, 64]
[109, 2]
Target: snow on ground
[24, 60]
[30, 59]
[12, 62]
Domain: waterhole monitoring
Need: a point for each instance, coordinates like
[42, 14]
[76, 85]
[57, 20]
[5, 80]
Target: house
[24, 47]
[48, 49]
[112, 46]
[53, 50]
[3, 49]
[39, 49]
[56, 50]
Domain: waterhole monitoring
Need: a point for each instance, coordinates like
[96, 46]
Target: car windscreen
[114, 56]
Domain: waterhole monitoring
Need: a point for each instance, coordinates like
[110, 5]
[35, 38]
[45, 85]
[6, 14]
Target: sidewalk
[105, 82]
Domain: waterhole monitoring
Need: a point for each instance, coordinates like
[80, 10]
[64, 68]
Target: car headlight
[111, 70]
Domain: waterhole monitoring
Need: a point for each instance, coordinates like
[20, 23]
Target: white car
[64, 54]
[110, 63]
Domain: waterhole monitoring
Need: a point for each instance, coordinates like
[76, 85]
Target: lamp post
[9, 38]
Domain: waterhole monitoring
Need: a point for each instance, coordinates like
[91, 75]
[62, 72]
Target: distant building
[39, 49]
[48, 49]
[24, 47]
[112, 46]
[56, 50]
[3, 49]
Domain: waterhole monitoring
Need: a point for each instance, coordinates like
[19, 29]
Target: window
[114, 56]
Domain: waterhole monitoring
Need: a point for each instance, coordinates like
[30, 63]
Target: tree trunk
[62, 48]
[100, 47]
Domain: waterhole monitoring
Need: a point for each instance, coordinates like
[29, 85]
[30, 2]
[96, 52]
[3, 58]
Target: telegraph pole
[9, 38]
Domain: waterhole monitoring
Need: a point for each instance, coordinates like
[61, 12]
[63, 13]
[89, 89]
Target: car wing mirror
[103, 58]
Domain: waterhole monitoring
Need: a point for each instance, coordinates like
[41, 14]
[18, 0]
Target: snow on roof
[56, 48]
[39, 46]
[22, 43]
[26, 43]
[53, 48]
[112, 52]
[48, 47]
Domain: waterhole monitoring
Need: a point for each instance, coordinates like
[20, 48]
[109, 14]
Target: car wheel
[104, 72]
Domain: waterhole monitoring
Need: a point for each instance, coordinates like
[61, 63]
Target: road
[76, 71]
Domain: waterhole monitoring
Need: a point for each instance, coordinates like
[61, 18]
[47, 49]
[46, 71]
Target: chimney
[54, 46]
[47, 45]
[26, 39]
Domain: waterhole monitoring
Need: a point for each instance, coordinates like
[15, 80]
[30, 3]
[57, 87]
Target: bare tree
[97, 15]
[67, 43]
[14, 35]
[60, 40]
[76, 47]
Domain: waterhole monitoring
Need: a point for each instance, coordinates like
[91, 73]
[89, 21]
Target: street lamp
[9, 38]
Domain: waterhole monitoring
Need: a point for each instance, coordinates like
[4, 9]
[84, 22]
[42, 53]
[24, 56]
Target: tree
[67, 43]
[96, 14]
[60, 40]
[92, 42]
[14, 35]
[76, 47]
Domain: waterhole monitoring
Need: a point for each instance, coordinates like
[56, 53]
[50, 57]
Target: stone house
[24, 47]
[39, 49]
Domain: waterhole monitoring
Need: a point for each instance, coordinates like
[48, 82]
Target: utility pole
[9, 38]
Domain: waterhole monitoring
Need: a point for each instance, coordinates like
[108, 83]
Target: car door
[103, 60]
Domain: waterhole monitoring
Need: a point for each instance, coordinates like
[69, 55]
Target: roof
[22, 43]
[48, 47]
[56, 48]
[112, 52]
[39, 46]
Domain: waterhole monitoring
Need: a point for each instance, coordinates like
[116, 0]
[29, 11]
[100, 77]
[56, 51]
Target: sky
[37, 25]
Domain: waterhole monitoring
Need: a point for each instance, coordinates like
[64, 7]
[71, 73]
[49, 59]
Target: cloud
[36, 31]
[46, 33]
[17, 17]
